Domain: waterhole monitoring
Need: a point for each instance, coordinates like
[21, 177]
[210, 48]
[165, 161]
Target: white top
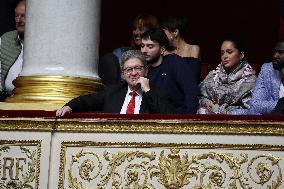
[138, 100]
[281, 92]
[14, 71]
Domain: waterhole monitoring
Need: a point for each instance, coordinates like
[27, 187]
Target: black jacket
[279, 108]
[110, 100]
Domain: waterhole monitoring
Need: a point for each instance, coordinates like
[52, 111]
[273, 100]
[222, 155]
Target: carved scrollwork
[176, 170]
[88, 169]
[134, 173]
[262, 168]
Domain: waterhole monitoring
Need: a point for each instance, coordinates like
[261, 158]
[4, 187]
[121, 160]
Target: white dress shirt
[138, 100]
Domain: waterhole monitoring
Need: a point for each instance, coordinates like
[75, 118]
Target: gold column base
[51, 89]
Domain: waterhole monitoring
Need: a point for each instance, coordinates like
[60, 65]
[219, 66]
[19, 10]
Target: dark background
[7, 13]
[256, 22]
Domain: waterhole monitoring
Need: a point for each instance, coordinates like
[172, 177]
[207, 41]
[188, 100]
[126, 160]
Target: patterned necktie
[131, 105]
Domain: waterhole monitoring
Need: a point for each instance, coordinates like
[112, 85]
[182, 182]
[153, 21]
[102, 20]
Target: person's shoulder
[10, 33]
[193, 51]
[267, 70]
[175, 63]
[115, 87]
[214, 72]
[191, 60]
[267, 65]
[173, 58]
[119, 49]
[118, 52]
[193, 47]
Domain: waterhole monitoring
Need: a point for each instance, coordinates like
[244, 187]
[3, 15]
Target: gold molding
[171, 126]
[142, 126]
[51, 89]
[25, 124]
[263, 147]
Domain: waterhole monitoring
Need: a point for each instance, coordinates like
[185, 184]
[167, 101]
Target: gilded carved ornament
[173, 170]
[25, 178]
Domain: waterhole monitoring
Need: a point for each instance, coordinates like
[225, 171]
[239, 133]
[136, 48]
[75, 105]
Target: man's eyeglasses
[129, 70]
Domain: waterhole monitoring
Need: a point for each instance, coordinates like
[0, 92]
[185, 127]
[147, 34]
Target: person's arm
[205, 97]
[261, 102]
[91, 102]
[157, 101]
[186, 81]
[195, 66]
[240, 109]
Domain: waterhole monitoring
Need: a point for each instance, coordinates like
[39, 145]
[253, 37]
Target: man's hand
[144, 82]
[210, 104]
[61, 112]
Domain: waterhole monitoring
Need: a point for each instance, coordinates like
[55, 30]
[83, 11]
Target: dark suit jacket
[110, 100]
[279, 108]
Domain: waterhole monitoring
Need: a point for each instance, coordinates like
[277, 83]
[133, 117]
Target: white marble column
[62, 37]
[60, 51]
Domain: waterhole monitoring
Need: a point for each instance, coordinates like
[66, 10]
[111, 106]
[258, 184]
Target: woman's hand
[210, 104]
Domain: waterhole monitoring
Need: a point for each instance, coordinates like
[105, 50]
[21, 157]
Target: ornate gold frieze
[26, 124]
[96, 125]
[20, 164]
[171, 126]
[86, 165]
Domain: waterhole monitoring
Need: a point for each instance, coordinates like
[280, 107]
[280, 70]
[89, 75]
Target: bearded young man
[170, 72]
